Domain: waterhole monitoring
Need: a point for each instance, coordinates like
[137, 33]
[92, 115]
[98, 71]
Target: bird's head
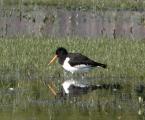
[60, 52]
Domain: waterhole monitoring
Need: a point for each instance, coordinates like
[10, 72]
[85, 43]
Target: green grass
[83, 4]
[29, 58]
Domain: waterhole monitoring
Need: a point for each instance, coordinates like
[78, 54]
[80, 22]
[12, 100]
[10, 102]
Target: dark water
[32, 100]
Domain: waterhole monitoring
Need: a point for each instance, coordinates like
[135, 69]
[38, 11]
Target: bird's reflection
[75, 88]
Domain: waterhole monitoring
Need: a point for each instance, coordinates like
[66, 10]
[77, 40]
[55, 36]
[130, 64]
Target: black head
[61, 52]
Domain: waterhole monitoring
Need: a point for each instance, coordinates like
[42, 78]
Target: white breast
[79, 68]
[67, 66]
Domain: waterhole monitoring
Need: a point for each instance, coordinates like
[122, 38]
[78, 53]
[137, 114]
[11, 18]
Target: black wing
[77, 59]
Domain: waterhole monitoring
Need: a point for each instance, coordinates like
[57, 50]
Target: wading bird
[75, 62]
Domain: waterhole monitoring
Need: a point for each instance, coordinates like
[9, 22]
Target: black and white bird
[75, 62]
[74, 88]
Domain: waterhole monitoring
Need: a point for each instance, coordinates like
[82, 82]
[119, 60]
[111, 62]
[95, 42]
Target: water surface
[32, 100]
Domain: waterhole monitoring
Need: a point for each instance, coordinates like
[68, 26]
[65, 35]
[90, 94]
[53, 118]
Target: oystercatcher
[75, 62]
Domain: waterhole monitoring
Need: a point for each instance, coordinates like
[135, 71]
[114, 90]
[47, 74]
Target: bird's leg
[83, 76]
[67, 75]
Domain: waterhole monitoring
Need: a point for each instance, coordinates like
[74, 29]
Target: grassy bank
[28, 58]
[82, 4]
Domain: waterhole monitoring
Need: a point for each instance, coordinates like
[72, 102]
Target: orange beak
[53, 59]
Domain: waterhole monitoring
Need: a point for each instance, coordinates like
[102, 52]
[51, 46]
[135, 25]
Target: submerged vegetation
[82, 4]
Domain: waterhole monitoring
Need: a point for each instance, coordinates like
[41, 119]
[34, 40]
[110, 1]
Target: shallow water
[32, 100]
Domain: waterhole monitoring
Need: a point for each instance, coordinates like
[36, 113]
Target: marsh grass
[23, 58]
[24, 67]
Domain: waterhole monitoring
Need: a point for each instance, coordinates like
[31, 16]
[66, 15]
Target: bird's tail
[101, 65]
